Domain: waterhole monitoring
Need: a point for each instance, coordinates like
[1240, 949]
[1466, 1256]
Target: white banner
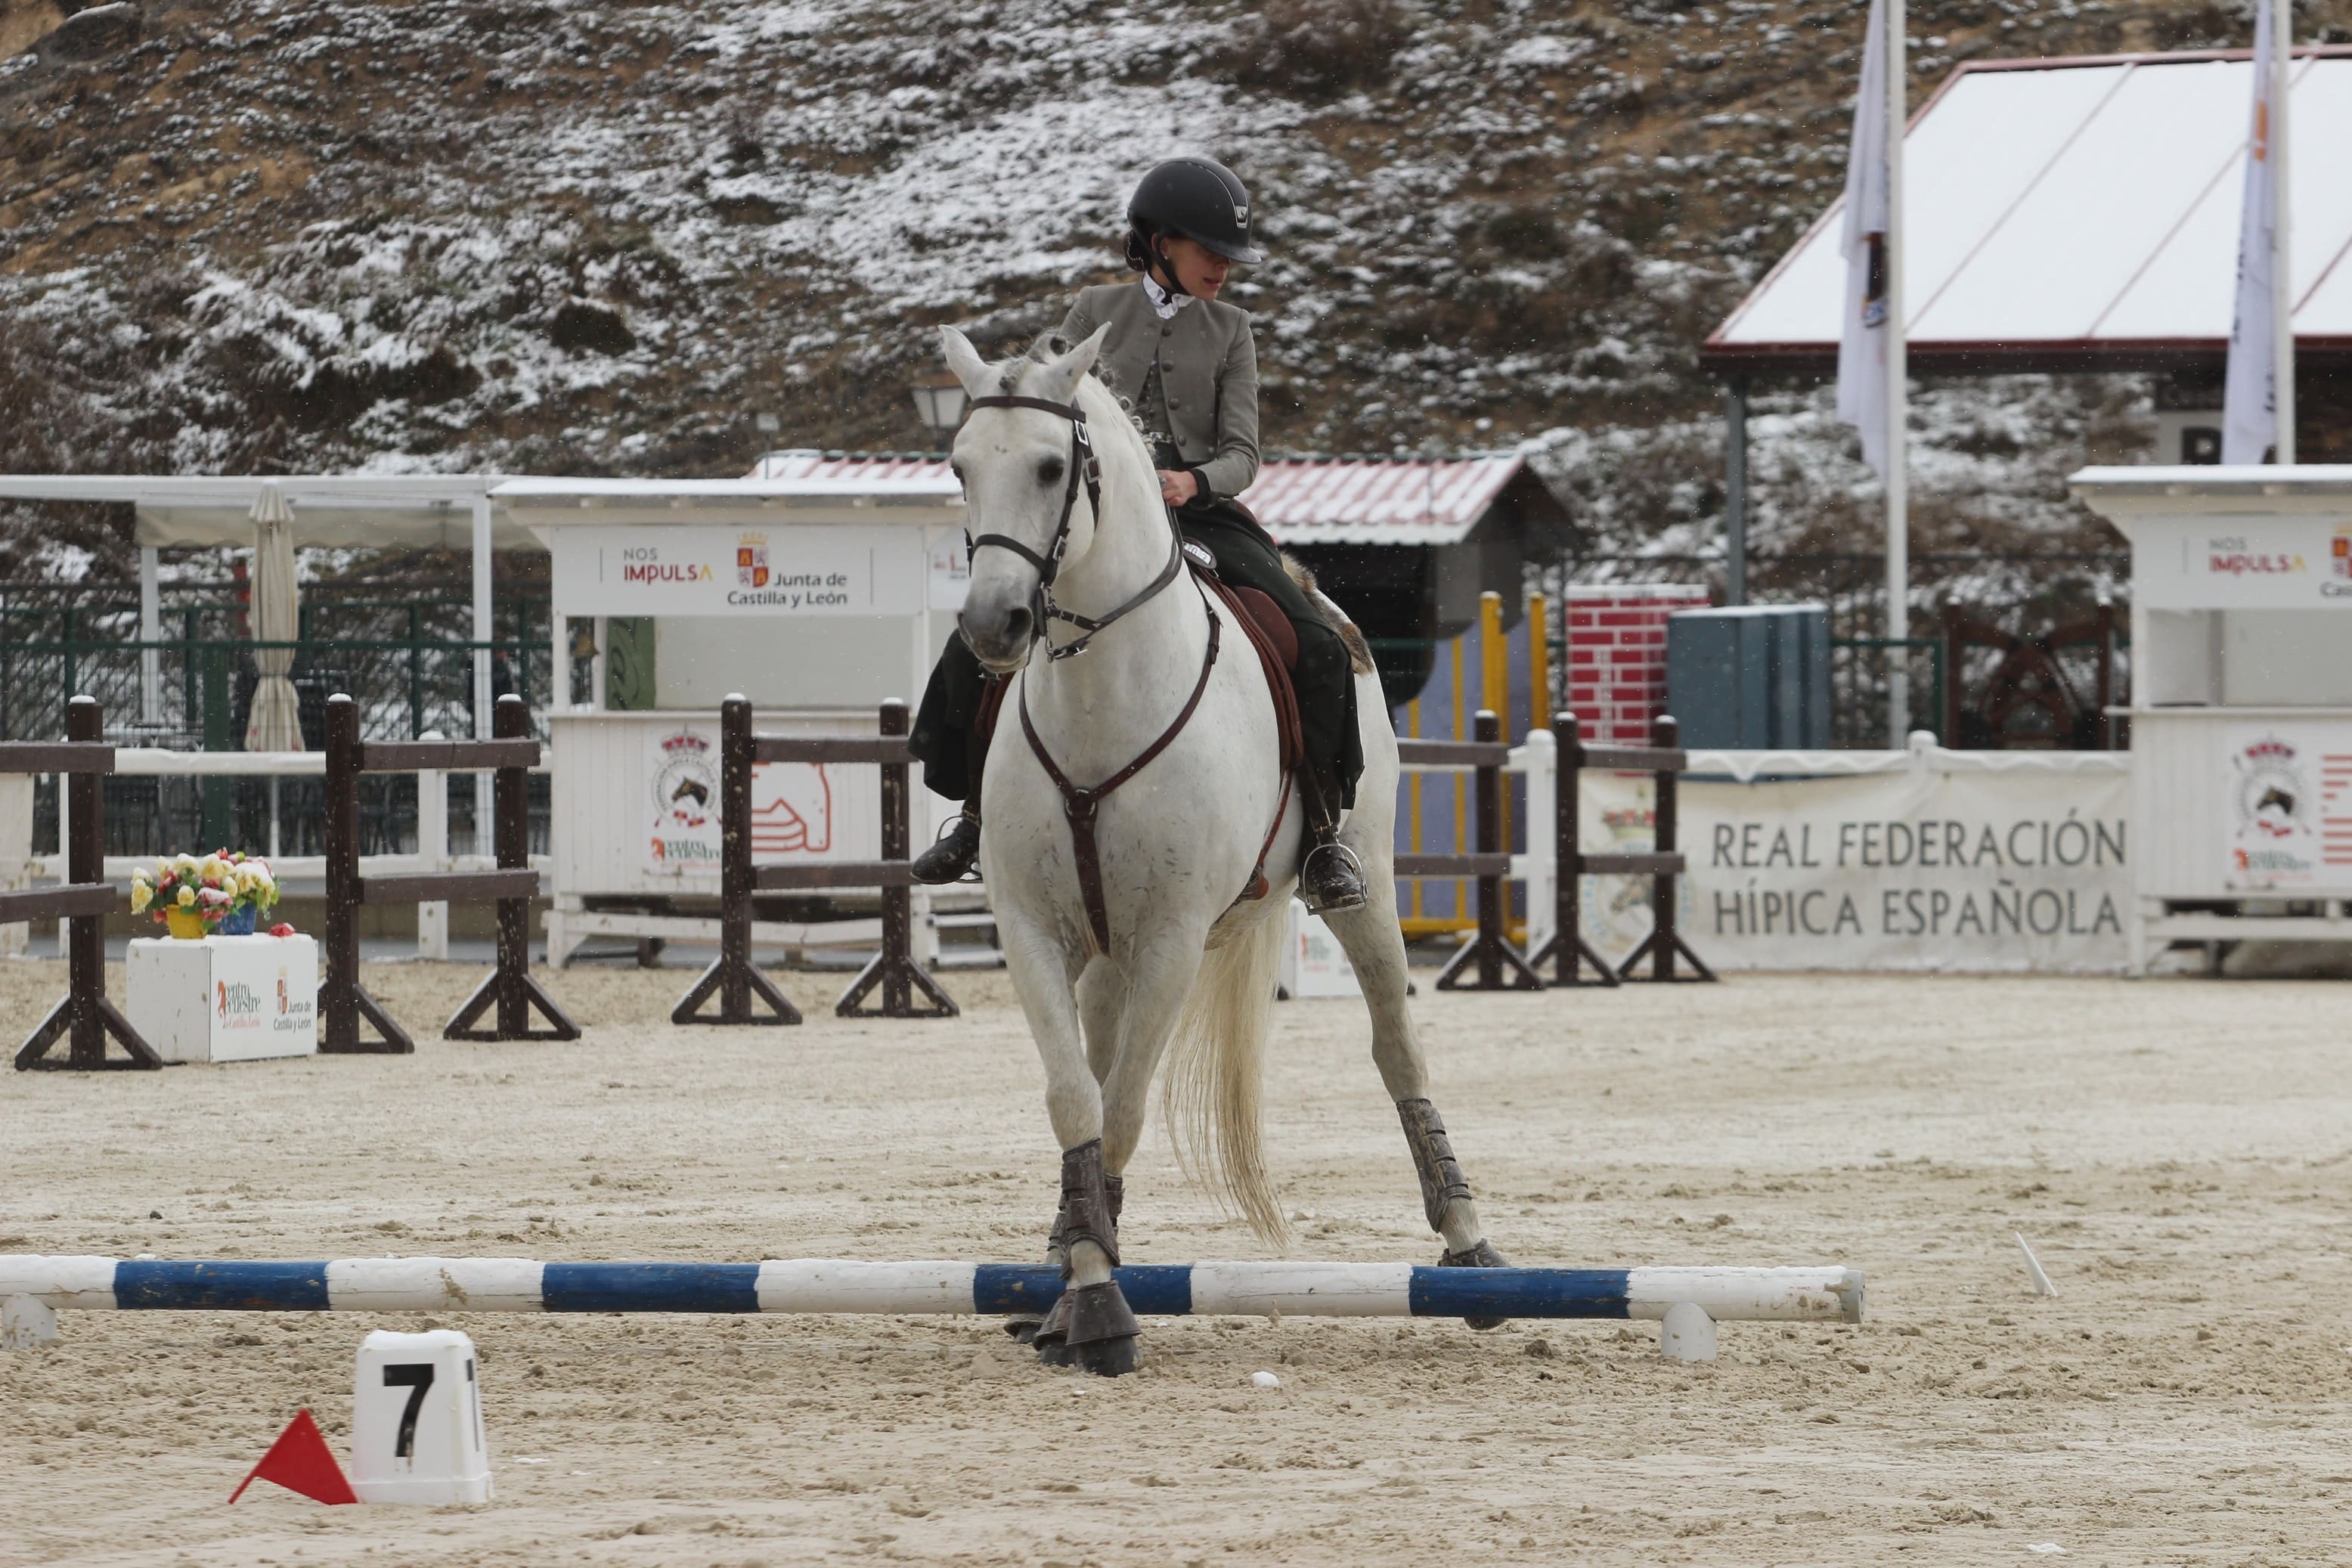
[1940, 862]
[702, 570]
[2247, 563]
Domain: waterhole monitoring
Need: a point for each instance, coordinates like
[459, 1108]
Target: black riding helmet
[1197, 199]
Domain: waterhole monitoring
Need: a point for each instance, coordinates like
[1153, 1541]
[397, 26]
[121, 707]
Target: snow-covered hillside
[604, 236]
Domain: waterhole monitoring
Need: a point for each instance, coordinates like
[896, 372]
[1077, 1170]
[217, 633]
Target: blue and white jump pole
[833, 1285]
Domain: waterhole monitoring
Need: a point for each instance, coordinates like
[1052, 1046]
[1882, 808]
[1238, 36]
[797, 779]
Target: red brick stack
[1617, 655]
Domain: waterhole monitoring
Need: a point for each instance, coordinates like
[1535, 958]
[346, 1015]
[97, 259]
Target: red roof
[1301, 500]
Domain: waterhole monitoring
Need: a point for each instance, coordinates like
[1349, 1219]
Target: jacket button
[1167, 331]
[1171, 403]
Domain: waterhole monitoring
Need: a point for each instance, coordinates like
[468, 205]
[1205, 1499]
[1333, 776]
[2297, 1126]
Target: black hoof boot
[952, 857]
[1108, 1358]
[1024, 1330]
[1050, 1336]
[1103, 1337]
[1331, 883]
[1482, 1255]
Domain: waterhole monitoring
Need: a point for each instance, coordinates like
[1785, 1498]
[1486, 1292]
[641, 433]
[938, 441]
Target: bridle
[1087, 469]
[1082, 804]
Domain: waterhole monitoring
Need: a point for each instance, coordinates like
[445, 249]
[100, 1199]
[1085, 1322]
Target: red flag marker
[300, 1461]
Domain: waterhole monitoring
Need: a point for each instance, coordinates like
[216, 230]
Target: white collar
[1163, 304]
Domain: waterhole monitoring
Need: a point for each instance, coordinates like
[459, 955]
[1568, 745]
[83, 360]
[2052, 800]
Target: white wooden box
[226, 998]
[1313, 962]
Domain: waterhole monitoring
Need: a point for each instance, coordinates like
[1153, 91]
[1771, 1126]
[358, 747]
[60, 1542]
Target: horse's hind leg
[1375, 947]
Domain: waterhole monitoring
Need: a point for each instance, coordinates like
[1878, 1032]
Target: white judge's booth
[817, 597]
[2241, 709]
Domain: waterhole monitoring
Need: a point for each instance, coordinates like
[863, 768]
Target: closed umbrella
[275, 723]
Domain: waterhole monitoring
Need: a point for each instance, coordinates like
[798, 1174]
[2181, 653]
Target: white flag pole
[1898, 509]
[2281, 269]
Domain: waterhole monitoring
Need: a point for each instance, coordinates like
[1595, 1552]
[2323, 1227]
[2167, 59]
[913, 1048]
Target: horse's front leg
[1135, 1014]
[1375, 947]
[1101, 993]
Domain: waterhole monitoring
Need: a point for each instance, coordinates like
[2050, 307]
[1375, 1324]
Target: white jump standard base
[223, 998]
[833, 1285]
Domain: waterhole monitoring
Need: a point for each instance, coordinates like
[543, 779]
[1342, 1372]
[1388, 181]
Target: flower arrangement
[224, 893]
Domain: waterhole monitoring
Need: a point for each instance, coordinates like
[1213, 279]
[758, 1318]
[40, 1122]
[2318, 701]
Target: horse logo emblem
[2274, 839]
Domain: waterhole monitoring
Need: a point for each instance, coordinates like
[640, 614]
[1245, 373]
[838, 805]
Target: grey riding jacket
[1207, 376]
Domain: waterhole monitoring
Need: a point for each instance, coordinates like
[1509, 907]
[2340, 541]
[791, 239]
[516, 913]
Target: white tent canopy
[352, 511]
[423, 512]
[2080, 214]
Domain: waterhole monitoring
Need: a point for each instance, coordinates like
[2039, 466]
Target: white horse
[1165, 947]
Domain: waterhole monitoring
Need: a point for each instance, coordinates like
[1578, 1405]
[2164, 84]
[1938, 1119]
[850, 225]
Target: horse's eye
[1050, 471]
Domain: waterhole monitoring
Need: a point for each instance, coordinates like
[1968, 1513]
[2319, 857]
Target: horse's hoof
[1023, 1329]
[1107, 1358]
[1482, 1255]
[1052, 1351]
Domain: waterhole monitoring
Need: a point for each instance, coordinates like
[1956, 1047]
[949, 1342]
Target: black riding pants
[1245, 558]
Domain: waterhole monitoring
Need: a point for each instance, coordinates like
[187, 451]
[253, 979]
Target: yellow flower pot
[188, 925]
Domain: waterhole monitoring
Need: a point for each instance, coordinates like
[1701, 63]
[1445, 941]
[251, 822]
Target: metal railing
[194, 693]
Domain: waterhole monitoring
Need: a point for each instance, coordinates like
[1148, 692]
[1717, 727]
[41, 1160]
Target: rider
[1186, 364]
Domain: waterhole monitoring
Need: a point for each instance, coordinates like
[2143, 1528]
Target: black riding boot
[1329, 882]
[952, 857]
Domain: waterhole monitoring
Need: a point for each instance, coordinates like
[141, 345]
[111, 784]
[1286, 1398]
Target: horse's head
[1018, 490]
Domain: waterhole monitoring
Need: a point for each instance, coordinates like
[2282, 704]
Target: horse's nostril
[1016, 626]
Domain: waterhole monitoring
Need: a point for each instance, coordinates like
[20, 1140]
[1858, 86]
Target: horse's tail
[1216, 1069]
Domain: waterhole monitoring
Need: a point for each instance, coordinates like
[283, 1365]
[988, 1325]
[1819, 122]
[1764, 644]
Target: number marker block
[417, 1420]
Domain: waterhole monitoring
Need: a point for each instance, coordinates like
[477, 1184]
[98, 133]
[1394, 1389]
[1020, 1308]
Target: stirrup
[1343, 904]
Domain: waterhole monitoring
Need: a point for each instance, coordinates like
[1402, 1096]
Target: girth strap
[1080, 804]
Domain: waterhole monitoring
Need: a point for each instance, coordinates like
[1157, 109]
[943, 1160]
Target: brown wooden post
[1567, 846]
[511, 721]
[735, 859]
[86, 862]
[1488, 953]
[731, 977]
[510, 995]
[1487, 729]
[1664, 943]
[1952, 649]
[339, 1014]
[1567, 946]
[83, 1018]
[897, 903]
[894, 968]
[2104, 730]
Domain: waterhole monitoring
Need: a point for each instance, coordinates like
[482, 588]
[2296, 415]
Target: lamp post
[940, 405]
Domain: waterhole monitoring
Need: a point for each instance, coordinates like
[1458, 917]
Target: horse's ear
[1063, 374]
[964, 359]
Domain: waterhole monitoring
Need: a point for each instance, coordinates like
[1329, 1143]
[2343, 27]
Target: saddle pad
[1270, 620]
[1271, 657]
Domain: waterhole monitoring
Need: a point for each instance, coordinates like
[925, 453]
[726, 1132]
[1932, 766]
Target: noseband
[1084, 469]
